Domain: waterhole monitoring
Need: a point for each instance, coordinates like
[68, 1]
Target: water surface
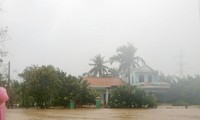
[161, 113]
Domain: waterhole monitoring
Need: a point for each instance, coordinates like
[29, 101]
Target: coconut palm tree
[114, 72]
[99, 69]
[126, 58]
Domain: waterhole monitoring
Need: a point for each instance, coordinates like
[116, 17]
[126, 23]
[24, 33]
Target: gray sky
[67, 33]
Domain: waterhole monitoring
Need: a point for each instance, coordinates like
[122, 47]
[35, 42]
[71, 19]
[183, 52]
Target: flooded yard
[160, 113]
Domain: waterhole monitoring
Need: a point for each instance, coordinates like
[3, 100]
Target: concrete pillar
[107, 91]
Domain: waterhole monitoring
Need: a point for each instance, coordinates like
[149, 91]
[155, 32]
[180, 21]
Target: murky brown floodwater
[161, 113]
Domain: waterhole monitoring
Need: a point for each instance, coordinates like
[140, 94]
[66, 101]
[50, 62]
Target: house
[141, 76]
[103, 85]
[147, 78]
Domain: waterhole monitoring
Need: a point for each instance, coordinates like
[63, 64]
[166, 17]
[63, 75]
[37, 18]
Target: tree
[126, 58]
[85, 95]
[14, 93]
[73, 88]
[113, 72]
[99, 69]
[46, 86]
[42, 84]
[182, 91]
[121, 97]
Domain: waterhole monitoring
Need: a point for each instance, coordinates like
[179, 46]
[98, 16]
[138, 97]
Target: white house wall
[135, 77]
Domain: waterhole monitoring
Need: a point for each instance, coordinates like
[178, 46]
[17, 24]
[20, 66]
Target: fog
[67, 34]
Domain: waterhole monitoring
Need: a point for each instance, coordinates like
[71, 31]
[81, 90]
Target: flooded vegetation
[162, 112]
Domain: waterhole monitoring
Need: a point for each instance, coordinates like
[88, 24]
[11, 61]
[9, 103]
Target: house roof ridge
[104, 81]
[140, 68]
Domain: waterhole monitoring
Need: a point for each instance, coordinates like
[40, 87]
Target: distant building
[147, 78]
[144, 77]
[103, 85]
[141, 75]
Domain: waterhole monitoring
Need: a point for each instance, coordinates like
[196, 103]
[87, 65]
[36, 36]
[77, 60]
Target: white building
[147, 78]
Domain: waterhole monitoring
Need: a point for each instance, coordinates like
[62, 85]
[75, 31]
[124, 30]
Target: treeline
[183, 91]
[46, 86]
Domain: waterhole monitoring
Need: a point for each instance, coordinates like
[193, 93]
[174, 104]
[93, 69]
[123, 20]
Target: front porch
[104, 95]
[103, 86]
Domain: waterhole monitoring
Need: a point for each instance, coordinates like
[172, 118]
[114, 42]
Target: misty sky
[67, 33]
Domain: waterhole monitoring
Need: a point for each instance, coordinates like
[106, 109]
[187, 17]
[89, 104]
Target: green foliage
[131, 97]
[14, 92]
[46, 86]
[41, 83]
[99, 69]
[72, 88]
[126, 58]
[113, 72]
[121, 97]
[140, 98]
[186, 90]
[85, 95]
[151, 101]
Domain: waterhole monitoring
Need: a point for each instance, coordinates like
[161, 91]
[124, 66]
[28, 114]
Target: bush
[121, 97]
[131, 97]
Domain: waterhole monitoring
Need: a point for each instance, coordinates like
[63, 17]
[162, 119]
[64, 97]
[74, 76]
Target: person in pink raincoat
[3, 99]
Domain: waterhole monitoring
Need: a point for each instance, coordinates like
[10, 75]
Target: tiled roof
[104, 82]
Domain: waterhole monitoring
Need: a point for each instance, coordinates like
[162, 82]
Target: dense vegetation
[184, 91]
[46, 86]
[131, 97]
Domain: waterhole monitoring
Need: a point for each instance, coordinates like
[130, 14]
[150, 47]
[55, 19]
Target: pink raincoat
[3, 99]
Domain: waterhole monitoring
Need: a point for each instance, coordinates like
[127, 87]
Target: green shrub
[131, 97]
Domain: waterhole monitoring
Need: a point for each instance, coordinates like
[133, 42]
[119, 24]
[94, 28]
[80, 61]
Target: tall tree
[126, 58]
[114, 72]
[42, 83]
[99, 69]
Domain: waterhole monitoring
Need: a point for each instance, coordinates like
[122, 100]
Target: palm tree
[99, 69]
[126, 58]
[114, 72]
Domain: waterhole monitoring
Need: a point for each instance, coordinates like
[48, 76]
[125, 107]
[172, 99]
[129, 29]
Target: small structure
[103, 85]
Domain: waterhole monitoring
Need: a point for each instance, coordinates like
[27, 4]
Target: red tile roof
[104, 82]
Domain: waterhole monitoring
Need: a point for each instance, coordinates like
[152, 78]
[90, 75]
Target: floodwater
[160, 113]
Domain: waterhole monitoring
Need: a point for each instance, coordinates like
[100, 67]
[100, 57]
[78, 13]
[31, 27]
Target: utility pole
[10, 101]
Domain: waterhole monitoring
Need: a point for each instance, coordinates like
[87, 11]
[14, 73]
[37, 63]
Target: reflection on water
[161, 113]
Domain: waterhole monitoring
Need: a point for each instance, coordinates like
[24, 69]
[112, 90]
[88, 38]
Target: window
[149, 78]
[141, 78]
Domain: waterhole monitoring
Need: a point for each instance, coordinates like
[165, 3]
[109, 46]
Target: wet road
[161, 113]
